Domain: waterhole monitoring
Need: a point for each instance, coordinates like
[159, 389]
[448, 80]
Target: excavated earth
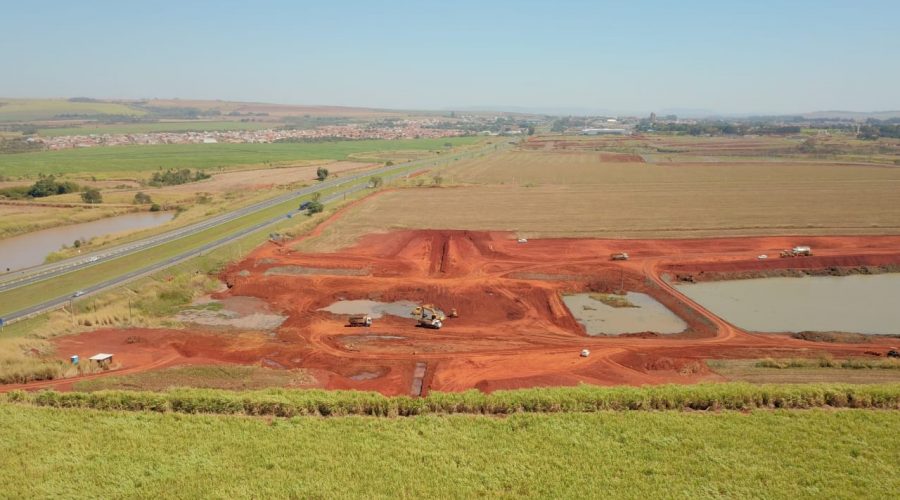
[513, 329]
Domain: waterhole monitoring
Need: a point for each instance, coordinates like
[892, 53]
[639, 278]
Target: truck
[363, 320]
[797, 251]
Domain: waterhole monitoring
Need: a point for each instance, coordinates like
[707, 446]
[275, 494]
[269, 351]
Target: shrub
[142, 198]
[314, 207]
[290, 403]
[92, 195]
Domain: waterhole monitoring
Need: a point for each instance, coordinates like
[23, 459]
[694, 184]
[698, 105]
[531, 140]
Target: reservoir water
[30, 249]
[859, 304]
[647, 315]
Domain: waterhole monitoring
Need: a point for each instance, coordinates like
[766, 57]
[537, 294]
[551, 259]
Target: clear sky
[628, 55]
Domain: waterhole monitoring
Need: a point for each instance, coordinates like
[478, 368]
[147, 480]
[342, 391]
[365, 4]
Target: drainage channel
[418, 379]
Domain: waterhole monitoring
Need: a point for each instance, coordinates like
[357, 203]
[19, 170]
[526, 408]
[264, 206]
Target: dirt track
[513, 330]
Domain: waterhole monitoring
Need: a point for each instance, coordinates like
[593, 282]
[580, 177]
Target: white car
[94, 259]
[79, 293]
[762, 257]
[585, 353]
[523, 240]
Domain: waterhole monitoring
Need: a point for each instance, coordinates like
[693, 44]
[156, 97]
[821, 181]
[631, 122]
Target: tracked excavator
[429, 316]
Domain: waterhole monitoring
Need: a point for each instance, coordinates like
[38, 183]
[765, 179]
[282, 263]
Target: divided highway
[37, 274]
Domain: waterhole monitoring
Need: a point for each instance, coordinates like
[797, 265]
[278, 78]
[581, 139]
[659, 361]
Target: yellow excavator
[429, 316]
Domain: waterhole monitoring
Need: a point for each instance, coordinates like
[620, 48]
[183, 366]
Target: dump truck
[429, 316]
[798, 251]
[618, 256]
[359, 320]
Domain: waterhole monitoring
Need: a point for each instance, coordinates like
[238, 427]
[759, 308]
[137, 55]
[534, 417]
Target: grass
[773, 454]
[795, 371]
[231, 377]
[583, 398]
[139, 128]
[106, 161]
[828, 362]
[23, 110]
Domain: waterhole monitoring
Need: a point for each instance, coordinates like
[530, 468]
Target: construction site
[409, 312]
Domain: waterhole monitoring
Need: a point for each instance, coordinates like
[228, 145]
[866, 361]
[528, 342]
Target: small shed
[103, 359]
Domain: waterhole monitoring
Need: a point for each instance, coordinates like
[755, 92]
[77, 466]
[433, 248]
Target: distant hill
[81, 108]
[852, 115]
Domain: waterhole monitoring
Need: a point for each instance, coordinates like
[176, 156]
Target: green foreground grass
[104, 160]
[774, 454]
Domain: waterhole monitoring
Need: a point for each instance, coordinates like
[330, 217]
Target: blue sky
[626, 56]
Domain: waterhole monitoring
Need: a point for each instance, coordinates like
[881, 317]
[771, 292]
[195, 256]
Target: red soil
[513, 330]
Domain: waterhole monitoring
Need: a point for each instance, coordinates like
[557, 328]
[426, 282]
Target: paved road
[49, 271]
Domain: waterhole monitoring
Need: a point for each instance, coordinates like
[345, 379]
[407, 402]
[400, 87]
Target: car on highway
[79, 293]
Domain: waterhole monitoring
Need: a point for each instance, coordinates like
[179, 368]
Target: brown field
[666, 148]
[559, 194]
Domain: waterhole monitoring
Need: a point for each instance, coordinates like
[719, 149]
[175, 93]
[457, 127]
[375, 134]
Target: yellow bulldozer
[429, 316]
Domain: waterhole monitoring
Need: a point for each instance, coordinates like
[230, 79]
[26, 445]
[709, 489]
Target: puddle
[858, 304]
[365, 376]
[401, 308]
[314, 271]
[601, 319]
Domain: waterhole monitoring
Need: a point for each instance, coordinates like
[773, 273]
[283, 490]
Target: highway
[36, 274]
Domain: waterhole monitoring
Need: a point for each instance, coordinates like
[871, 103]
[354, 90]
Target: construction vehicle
[619, 256]
[799, 251]
[429, 316]
[359, 320]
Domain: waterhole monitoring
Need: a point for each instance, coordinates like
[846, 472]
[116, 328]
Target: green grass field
[138, 128]
[102, 160]
[773, 454]
[23, 110]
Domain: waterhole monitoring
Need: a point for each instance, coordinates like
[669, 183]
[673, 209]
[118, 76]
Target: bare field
[538, 194]
[586, 168]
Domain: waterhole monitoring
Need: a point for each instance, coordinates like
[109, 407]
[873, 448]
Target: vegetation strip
[290, 403]
[57, 453]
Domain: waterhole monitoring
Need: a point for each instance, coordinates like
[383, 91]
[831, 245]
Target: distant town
[406, 129]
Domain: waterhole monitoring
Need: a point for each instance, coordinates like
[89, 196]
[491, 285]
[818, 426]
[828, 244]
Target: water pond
[867, 304]
[646, 315]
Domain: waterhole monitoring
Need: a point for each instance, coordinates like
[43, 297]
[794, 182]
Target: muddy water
[31, 249]
[859, 304]
[601, 319]
[401, 308]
